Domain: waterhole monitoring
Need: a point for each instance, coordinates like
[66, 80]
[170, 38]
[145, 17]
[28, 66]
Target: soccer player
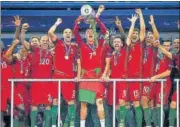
[21, 65]
[149, 62]
[41, 67]
[176, 59]
[118, 62]
[7, 71]
[92, 57]
[65, 58]
[161, 71]
[134, 41]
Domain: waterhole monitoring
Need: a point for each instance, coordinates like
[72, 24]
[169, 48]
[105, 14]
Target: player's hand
[138, 12]
[156, 43]
[17, 21]
[104, 78]
[118, 22]
[153, 79]
[133, 18]
[77, 79]
[100, 10]
[58, 21]
[16, 42]
[25, 26]
[151, 22]
[79, 19]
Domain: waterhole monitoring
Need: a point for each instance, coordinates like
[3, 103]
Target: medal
[94, 53]
[66, 57]
[67, 51]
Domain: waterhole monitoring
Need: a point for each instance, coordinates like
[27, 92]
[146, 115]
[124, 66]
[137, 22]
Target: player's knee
[144, 101]
[55, 101]
[122, 102]
[99, 103]
[173, 104]
[48, 107]
[83, 112]
[83, 106]
[70, 102]
[136, 103]
[34, 108]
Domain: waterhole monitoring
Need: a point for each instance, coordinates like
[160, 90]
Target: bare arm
[120, 28]
[25, 26]
[133, 21]
[163, 50]
[153, 25]
[142, 25]
[9, 54]
[17, 23]
[51, 31]
[105, 74]
[162, 75]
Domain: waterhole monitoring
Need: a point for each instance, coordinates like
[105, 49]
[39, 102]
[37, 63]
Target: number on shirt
[4, 65]
[45, 62]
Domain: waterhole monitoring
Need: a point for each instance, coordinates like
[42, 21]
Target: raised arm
[25, 26]
[142, 25]
[17, 23]
[101, 25]
[133, 21]
[51, 31]
[76, 31]
[9, 53]
[153, 25]
[120, 28]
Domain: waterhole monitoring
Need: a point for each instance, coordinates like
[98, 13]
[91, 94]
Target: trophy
[88, 13]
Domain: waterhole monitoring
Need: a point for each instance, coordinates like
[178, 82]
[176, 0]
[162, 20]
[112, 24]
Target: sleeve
[102, 26]
[108, 51]
[77, 35]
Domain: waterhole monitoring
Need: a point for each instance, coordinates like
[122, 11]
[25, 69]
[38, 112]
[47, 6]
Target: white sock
[83, 123]
[53, 125]
[102, 122]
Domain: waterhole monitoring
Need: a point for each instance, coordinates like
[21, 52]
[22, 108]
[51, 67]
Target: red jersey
[92, 57]
[22, 68]
[65, 63]
[134, 60]
[6, 72]
[118, 64]
[149, 61]
[162, 65]
[41, 63]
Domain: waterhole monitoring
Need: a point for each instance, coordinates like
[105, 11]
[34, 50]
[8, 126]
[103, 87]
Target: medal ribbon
[67, 49]
[41, 55]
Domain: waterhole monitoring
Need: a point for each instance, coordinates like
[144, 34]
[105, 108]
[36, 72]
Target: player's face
[44, 42]
[90, 36]
[35, 42]
[167, 45]
[176, 45]
[23, 53]
[67, 34]
[135, 36]
[117, 43]
[149, 38]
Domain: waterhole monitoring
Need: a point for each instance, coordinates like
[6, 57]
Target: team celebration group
[135, 55]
